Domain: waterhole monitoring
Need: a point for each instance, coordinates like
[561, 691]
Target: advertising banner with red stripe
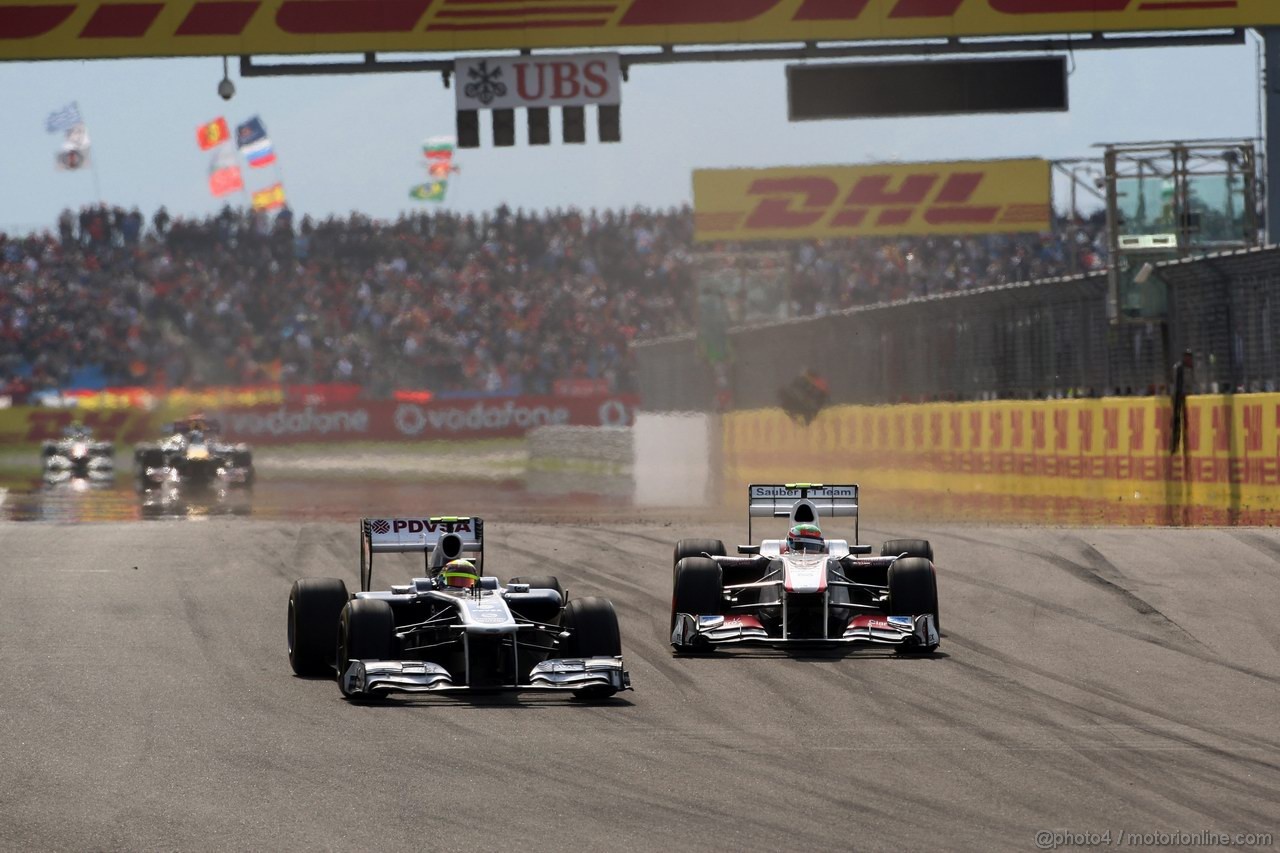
[389, 420]
[967, 197]
[71, 29]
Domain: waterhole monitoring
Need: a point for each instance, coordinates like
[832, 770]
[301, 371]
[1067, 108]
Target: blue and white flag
[251, 139]
[63, 119]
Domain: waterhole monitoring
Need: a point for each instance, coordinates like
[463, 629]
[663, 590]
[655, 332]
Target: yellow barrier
[1098, 461]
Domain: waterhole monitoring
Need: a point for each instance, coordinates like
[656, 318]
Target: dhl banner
[968, 197]
[34, 424]
[72, 29]
[1098, 461]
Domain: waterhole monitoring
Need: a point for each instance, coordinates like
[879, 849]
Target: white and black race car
[78, 456]
[774, 595]
[427, 636]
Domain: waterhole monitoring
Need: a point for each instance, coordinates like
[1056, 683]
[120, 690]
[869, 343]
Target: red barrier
[495, 417]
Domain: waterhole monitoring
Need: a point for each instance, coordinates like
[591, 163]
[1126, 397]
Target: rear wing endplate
[777, 501]
[403, 535]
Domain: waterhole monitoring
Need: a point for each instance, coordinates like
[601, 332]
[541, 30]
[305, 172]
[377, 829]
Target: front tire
[913, 590]
[698, 590]
[314, 607]
[366, 631]
[592, 624]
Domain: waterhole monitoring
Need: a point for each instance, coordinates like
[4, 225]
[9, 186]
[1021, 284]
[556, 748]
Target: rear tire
[593, 632]
[543, 582]
[698, 590]
[913, 590]
[314, 607]
[695, 548]
[911, 547]
[366, 631]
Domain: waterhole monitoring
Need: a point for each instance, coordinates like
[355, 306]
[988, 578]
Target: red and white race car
[810, 589]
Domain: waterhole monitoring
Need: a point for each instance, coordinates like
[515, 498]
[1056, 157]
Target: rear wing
[402, 535]
[780, 501]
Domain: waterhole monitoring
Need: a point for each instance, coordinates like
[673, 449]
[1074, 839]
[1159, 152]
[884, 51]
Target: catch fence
[1044, 339]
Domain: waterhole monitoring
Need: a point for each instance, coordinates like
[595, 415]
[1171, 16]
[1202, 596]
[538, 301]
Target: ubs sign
[514, 82]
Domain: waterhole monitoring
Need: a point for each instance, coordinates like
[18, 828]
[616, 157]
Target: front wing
[414, 676]
[908, 632]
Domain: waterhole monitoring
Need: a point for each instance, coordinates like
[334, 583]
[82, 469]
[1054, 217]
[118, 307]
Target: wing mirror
[751, 550]
[860, 549]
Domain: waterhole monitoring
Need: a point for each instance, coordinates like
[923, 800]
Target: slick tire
[543, 582]
[697, 590]
[314, 607]
[695, 548]
[913, 590]
[910, 547]
[592, 624]
[366, 631]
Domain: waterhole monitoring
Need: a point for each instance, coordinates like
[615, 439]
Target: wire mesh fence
[1042, 339]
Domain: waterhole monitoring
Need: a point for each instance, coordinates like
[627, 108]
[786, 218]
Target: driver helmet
[806, 539]
[461, 574]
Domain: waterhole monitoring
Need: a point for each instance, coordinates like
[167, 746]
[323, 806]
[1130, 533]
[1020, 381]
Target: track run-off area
[1088, 680]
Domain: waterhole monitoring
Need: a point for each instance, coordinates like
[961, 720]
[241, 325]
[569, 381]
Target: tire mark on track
[1133, 705]
[1205, 656]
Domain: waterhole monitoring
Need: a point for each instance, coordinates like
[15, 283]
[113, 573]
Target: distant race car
[192, 462]
[77, 455]
[455, 629]
[806, 589]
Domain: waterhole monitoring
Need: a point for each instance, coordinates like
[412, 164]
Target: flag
[213, 134]
[439, 168]
[433, 191]
[75, 149]
[63, 119]
[438, 147]
[270, 198]
[259, 153]
[251, 139]
[224, 175]
[70, 159]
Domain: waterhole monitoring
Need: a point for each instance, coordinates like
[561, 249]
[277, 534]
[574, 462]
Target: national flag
[250, 131]
[77, 139]
[440, 168]
[224, 174]
[71, 159]
[259, 153]
[213, 134]
[433, 191]
[63, 119]
[438, 148]
[270, 198]
[251, 139]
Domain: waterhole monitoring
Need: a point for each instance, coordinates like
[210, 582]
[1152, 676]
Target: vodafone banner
[510, 82]
[495, 417]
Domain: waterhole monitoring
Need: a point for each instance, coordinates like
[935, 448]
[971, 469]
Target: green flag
[433, 191]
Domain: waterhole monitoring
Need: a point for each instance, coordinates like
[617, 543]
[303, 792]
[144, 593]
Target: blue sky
[354, 143]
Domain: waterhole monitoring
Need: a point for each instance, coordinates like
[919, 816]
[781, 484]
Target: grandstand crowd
[505, 303]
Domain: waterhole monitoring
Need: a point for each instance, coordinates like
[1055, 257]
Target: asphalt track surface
[1088, 680]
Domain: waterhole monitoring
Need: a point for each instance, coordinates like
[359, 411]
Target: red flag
[225, 181]
[214, 133]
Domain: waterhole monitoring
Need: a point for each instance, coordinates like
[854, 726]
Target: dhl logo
[852, 201]
[52, 29]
